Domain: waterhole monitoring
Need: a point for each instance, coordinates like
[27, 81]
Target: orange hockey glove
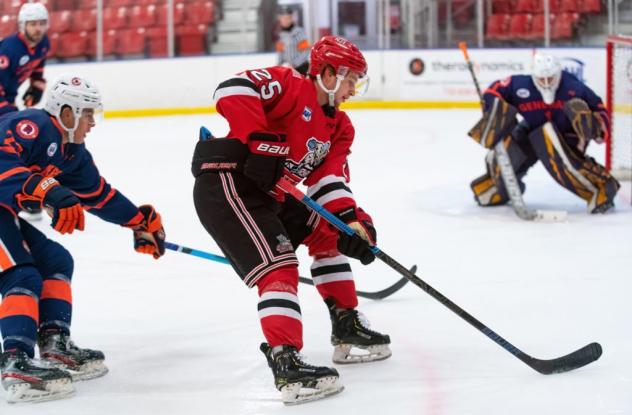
[149, 234]
[61, 204]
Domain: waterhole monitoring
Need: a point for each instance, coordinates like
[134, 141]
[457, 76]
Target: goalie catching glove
[149, 234]
[359, 244]
[61, 204]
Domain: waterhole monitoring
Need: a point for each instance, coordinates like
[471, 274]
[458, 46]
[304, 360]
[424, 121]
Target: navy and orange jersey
[19, 62]
[31, 142]
[521, 92]
[280, 100]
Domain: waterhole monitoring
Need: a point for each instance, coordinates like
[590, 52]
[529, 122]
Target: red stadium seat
[84, 20]
[142, 16]
[192, 40]
[8, 25]
[11, 7]
[520, 26]
[53, 38]
[87, 4]
[178, 14]
[119, 3]
[501, 6]
[109, 42]
[157, 42]
[130, 41]
[564, 25]
[537, 26]
[526, 6]
[147, 2]
[60, 21]
[497, 25]
[63, 5]
[589, 6]
[114, 18]
[72, 44]
[199, 12]
[568, 6]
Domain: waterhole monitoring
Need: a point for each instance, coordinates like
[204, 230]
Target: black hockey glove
[33, 95]
[359, 245]
[264, 165]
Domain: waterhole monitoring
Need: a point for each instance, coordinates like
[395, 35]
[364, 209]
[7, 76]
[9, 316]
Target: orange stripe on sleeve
[92, 194]
[13, 172]
[57, 290]
[19, 305]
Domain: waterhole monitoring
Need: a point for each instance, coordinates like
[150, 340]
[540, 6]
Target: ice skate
[298, 381]
[27, 380]
[350, 331]
[83, 364]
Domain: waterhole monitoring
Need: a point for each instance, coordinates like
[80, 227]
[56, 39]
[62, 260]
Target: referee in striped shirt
[293, 46]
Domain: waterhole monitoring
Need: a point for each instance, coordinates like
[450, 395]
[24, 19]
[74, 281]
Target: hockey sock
[279, 309]
[333, 278]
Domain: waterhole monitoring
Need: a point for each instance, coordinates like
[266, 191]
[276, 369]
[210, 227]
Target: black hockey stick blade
[571, 361]
[377, 295]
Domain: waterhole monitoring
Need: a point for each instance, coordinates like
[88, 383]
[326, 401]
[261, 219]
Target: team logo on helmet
[76, 81]
[4, 62]
[52, 149]
[27, 129]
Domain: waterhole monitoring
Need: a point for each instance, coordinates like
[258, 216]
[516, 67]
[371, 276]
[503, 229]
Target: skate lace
[364, 322]
[300, 358]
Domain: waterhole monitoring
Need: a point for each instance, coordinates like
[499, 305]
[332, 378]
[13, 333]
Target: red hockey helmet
[338, 52]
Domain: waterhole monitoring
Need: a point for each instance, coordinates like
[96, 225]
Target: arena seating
[134, 28]
[523, 20]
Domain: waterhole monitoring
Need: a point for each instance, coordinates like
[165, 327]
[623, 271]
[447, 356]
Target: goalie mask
[344, 57]
[546, 75]
[76, 93]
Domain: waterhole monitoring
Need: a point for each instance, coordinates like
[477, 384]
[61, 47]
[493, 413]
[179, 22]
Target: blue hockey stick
[377, 295]
[574, 360]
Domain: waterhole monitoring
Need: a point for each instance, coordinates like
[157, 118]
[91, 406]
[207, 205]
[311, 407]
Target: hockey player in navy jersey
[561, 115]
[44, 163]
[23, 57]
[285, 125]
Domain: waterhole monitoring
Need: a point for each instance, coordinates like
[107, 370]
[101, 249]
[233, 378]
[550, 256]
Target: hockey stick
[506, 169]
[577, 359]
[377, 295]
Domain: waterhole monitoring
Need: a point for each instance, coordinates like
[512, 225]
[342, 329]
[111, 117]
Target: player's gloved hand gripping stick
[574, 360]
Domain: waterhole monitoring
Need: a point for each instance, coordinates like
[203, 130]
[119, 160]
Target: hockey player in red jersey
[285, 125]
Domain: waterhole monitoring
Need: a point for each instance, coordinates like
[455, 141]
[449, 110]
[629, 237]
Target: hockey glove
[264, 165]
[60, 203]
[149, 234]
[357, 246]
[33, 95]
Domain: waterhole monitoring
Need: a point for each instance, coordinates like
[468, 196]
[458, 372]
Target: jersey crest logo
[52, 149]
[523, 93]
[316, 153]
[4, 62]
[284, 245]
[307, 114]
[24, 60]
[27, 129]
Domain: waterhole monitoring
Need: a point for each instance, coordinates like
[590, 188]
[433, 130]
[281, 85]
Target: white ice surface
[181, 334]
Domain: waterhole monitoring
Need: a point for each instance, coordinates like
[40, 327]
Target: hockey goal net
[619, 101]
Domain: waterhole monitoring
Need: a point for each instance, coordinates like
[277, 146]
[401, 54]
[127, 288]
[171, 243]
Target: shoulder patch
[4, 62]
[24, 60]
[523, 93]
[27, 129]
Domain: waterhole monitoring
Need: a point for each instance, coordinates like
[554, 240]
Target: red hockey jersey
[280, 100]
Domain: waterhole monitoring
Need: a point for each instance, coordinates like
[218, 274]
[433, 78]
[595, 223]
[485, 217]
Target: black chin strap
[329, 110]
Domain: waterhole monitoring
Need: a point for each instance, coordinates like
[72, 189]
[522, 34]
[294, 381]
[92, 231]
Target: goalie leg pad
[573, 170]
[496, 124]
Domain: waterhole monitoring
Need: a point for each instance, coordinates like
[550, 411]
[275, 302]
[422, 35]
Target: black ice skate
[57, 349]
[27, 380]
[350, 329]
[292, 375]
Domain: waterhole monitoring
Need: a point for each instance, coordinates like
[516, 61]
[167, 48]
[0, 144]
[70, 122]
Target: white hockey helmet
[31, 12]
[75, 92]
[546, 74]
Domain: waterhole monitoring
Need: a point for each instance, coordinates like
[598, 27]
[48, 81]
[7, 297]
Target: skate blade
[295, 394]
[342, 354]
[88, 371]
[26, 393]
